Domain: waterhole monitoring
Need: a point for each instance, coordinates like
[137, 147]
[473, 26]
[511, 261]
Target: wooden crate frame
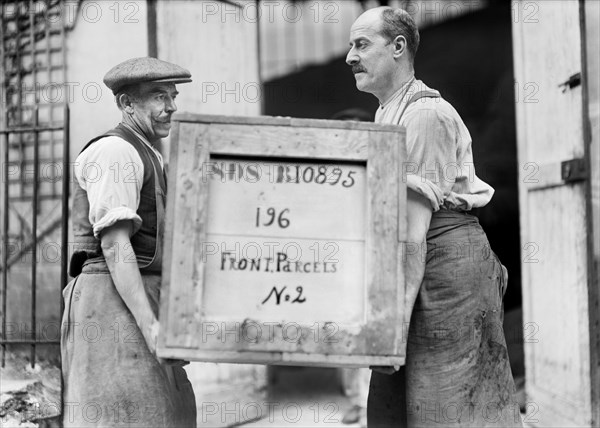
[187, 334]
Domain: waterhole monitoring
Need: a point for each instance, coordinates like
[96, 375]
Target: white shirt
[112, 173]
[439, 156]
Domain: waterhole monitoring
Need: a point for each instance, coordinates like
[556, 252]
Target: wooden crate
[283, 242]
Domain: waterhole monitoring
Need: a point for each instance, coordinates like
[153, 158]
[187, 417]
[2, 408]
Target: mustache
[358, 68]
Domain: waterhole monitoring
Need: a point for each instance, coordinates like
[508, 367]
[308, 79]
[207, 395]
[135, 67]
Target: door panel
[548, 58]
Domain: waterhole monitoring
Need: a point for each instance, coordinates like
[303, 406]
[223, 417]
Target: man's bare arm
[418, 210]
[418, 219]
[121, 261]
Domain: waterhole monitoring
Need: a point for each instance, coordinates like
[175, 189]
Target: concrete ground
[297, 397]
[311, 397]
[29, 396]
[303, 397]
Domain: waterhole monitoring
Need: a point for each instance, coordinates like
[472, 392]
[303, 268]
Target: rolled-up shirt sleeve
[431, 154]
[111, 172]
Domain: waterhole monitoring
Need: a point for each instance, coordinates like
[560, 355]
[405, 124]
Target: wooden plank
[383, 284]
[284, 358]
[403, 316]
[558, 344]
[189, 195]
[317, 198]
[286, 142]
[166, 316]
[591, 90]
[284, 121]
[592, 16]
[401, 149]
[248, 335]
[549, 409]
[522, 124]
[539, 87]
[284, 279]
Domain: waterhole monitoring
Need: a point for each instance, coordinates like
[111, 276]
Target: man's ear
[399, 46]
[126, 102]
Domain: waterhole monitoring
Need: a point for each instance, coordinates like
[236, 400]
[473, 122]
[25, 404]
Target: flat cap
[145, 69]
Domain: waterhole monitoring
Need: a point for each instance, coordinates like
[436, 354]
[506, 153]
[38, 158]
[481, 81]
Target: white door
[558, 301]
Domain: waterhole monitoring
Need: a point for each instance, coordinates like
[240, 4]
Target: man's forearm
[414, 263]
[121, 261]
[418, 220]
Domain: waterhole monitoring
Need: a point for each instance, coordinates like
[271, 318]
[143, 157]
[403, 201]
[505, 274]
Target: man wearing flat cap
[111, 373]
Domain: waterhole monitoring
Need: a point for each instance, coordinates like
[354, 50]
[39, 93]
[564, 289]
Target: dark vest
[147, 241]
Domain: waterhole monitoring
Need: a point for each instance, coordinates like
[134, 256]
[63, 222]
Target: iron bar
[28, 198]
[19, 106]
[5, 242]
[4, 203]
[27, 71]
[23, 129]
[36, 170]
[49, 77]
[26, 246]
[66, 183]
[37, 51]
[35, 202]
[64, 275]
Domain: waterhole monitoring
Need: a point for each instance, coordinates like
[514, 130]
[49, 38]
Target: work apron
[110, 376]
[457, 370]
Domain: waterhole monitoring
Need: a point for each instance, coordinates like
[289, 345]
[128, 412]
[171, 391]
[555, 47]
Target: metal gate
[35, 172]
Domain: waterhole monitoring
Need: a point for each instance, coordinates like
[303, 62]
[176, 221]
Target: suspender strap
[417, 96]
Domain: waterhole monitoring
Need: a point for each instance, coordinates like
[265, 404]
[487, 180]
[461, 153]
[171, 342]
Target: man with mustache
[457, 371]
[111, 373]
